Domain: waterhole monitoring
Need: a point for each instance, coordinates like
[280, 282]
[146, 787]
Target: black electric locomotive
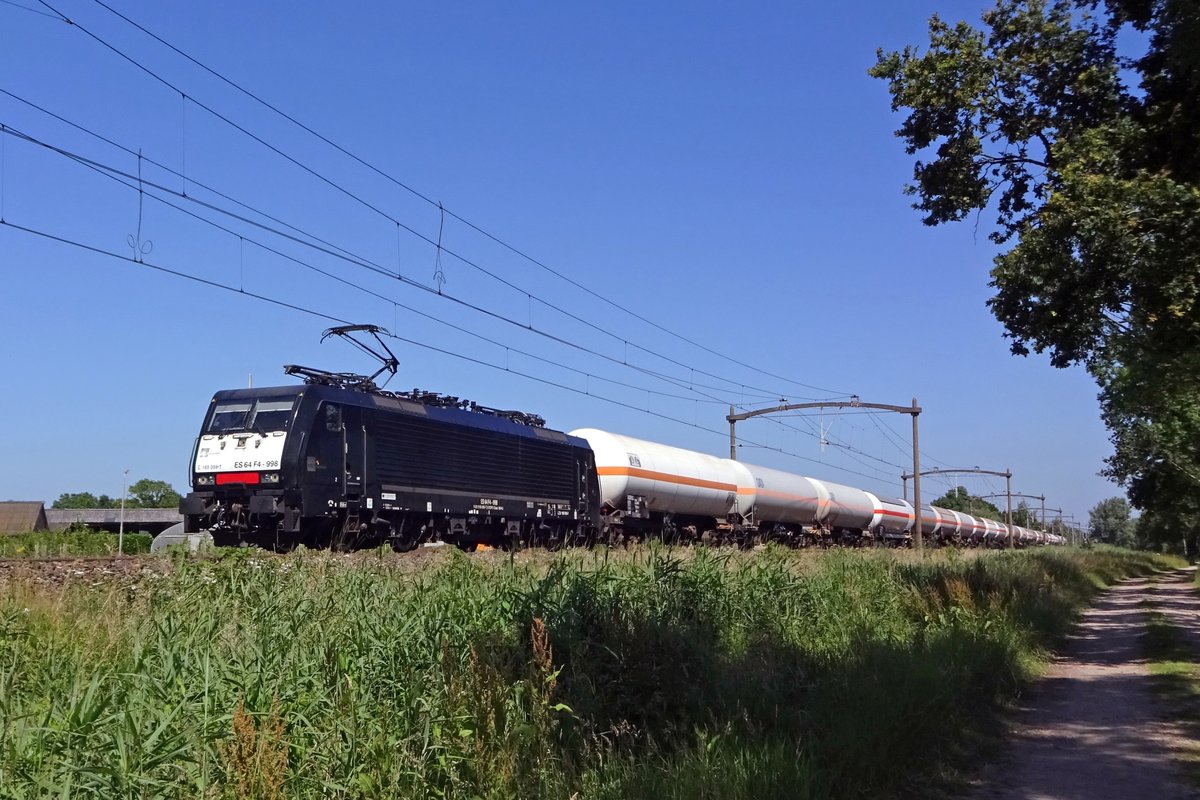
[339, 462]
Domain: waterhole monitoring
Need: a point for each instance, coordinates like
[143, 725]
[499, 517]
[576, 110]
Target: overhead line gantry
[854, 402]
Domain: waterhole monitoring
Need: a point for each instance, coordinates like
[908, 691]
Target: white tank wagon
[935, 523]
[803, 510]
[645, 485]
[896, 520]
[851, 508]
[996, 533]
[973, 529]
[952, 524]
[854, 512]
[1029, 538]
[784, 505]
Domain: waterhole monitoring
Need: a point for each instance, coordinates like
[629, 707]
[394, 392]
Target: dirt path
[1092, 727]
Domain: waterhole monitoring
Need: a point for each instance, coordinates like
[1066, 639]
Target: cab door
[354, 446]
[323, 452]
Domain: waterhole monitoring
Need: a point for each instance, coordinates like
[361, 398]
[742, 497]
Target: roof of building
[20, 516]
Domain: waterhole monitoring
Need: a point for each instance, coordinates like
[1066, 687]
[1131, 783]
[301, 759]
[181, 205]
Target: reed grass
[659, 674]
[54, 544]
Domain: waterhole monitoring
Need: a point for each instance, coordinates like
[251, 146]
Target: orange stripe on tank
[666, 477]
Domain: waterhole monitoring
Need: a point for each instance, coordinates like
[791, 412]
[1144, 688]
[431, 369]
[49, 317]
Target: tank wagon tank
[788, 507]
[647, 487]
[972, 530]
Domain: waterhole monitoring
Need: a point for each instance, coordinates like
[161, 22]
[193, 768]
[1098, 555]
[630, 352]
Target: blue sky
[729, 173]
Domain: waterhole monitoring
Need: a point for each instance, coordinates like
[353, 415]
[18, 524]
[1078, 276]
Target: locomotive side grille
[424, 452]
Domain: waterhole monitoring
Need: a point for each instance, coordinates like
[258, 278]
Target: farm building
[22, 516]
[149, 520]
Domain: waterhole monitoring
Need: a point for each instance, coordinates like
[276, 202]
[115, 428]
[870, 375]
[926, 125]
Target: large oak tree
[1075, 126]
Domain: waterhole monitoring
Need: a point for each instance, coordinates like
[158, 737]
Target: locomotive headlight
[204, 480]
[270, 477]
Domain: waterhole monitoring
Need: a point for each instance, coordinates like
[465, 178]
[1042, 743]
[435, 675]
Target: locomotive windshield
[251, 415]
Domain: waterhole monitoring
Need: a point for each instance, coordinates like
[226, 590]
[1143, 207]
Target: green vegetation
[1075, 125]
[1109, 522]
[664, 674]
[1176, 679]
[959, 499]
[46, 544]
[144, 493]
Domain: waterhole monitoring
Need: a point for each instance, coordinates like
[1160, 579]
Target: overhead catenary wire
[139, 184]
[169, 271]
[184, 99]
[123, 178]
[828, 438]
[129, 182]
[429, 200]
[30, 10]
[325, 247]
[379, 211]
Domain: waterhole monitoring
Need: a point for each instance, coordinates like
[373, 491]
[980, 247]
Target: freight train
[338, 462]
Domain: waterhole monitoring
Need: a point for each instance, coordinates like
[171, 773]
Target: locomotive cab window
[229, 417]
[271, 415]
[248, 415]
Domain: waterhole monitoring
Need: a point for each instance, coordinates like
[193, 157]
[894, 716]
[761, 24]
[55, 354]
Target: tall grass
[705, 675]
[51, 544]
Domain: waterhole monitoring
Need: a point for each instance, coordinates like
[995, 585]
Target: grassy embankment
[696, 675]
[47, 544]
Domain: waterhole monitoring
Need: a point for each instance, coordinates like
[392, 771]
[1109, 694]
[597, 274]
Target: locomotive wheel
[403, 544]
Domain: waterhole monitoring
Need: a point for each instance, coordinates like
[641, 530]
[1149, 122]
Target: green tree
[1110, 522]
[76, 500]
[1089, 158]
[959, 499]
[1024, 516]
[148, 493]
